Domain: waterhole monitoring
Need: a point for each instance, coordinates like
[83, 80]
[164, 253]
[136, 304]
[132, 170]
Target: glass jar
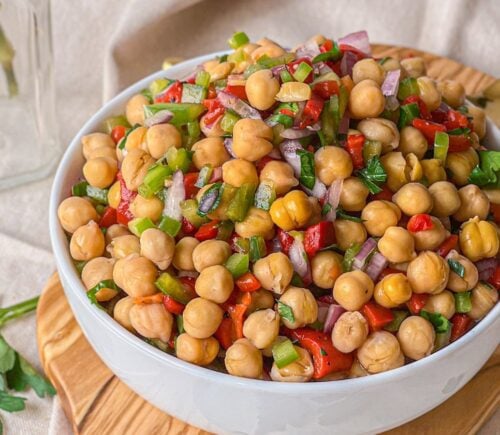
[29, 144]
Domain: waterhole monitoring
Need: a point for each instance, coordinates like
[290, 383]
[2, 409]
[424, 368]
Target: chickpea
[211, 151]
[431, 239]
[442, 303]
[211, 130]
[478, 120]
[158, 247]
[262, 328]
[349, 233]
[474, 202]
[94, 141]
[326, 267]
[380, 352]
[397, 245]
[478, 239]
[160, 138]
[412, 141]
[368, 69]
[237, 172]
[96, 270]
[303, 305]
[199, 351]
[274, 272]
[457, 283]
[116, 230]
[121, 312]
[252, 139]
[300, 370]
[210, 253]
[134, 110]
[183, 254]
[215, 284]
[135, 275]
[354, 194]
[75, 212]
[261, 88]
[400, 170]
[134, 168]
[244, 359]
[293, 91]
[202, 317]
[261, 300]
[380, 215]
[218, 70]
[152, 321]
[416, 337]
[428, 273]
[100, 172]
[414, 66]
[332, 163]
[87, 242]
[433, 170]
[350, 331]
[137, 139]
[106, 152]
[483, 299]
[257, 222]
[453, 93]
[460, 165]
[353, 289]
[413, 198]
[291, 211]
[147, 207]
[493, 195]
[366, 100]
[381, 130]
[268, 48]
[445, 198]
[357, 370]
[280, 174]
[429, 93]
[393, 290]
[123, 246]
[114, 195]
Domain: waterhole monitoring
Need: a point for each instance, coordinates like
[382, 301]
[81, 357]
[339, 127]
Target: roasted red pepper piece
[428, 128]
[225, 333]
[377, 316]
[455, 119]
[495, 278]
[187, 227]
[237, 314]
[354, 147]
[449, 244]
[384, 195]
[286, 240]
[318, 236]
[215, 110]
[237, 91]
[207, 231]
[326, 46]
[189, 184]
[117, 133]
[172, 306]
[326, 358]
[495, 211]
[326, 89]
[417, 302]
[123, 213]
[173, 94]
[248, 282]
[460, 324]
[420, 222]
[458, 143]
[292, 67]
[422, 107]
[108, 218]
[312, 111]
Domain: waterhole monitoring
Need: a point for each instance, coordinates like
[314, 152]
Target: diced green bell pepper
[408, 87]
[193, 93]
[257, 248]
[138, 225]
[265, 195]
[183, 112]
[178, 158]
[114, 121]
[154, 180]
[172, 287]
[238, 264]
[407, 114]
[241, 203]
[441, 144]
[170, 226]
[189, 209]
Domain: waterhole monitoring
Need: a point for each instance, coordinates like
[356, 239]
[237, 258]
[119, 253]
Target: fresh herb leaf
[440, 323]
[349, 255]
[297, 280]
[23, 374]
[373, 175]
[341, 214]
[457, 267]
[11, 403]
[487, 173]
[307, 175]
[326, 209]
[286, 312]
[91, 294]
[122, 143]
[7, 356]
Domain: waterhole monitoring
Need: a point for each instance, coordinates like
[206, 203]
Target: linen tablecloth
[100, 47]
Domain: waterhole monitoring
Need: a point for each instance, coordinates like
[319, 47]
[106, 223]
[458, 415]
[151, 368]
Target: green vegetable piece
[178, 159]
[441, 144]
[373, 175]
[463, 302]
[224, 230]
[333, 55]
[202, 79]
[242, 245]
[440, 323]
[91, 294]
[193, 134]
[7, 356]
[170, 226]
[115, 121]
[180, 324]
[16, 310]
[297, 280]
[79, 265]
[286, 312]
[154, 180]
[11, 403]
[285, 120]
[487, 173]
[408, 113]
[123, 142]
[183, 112]
[457, 267]
[193, 93]
[442, 340]
[238, 264]
[189, 210]
[265, 195]
[371, 148]
[399, 316]
[158, 86]
[349, 255]
[228, 120]
[302, 71]
[79, 189]
[23, 374]
[286, 76]
[98, 195]
[241, 202]
[257, 247]
[284, 353]
[238, 39]
[215, 189]
[251, 69]
[204, 175]
[307, 173]
[408, 87]
[342, 214]
[138, 225]
[174, 288]
[271, 62]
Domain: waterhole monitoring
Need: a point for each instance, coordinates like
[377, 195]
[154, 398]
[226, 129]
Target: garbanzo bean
[446, 200]
[379, 215]
[211, 151]
[414, 66]
[326, 267]
[393, 290]
[428, 273]
[400, 170]
[123, 246]
[100, 172]
[238, 171]
[303, 305]
[107, 152]
[134, 168]
[281, 174]
[252, 139]
[262, 328]
[381, 130]
[114, 195]
[332, 163]
[158, 247]
[94, 141]
[433, 170]
[210, 253]
[478, 120]
[380, 352]
[413, 198]
[137, 139]
[416, 337]
[244, 359]
[453, 92]
[474, 202]
[493, 195]
[267, 48]
[136, 275]
[152, 321]
[121, 312]
[116, 230]
[368, 69]
[348, 233]
[350, 331]
[215, 283]
[366, 100]
[274, 272]
[397, 245]
[464, 283]
[161, 137]
[300, 370]
[97, 270]
[87, 242]
[291, 211]
[134, 110]
[460, 165]
[261, 88]
[199, 351]
[353, 289]
[478, 239]
[257, 222]
[412, 141]
[261, 300]
[147, 207]
[442, 303]
[75, 212]
[429, 93]
[483, 299]
[431, 239]
[183, 254]
[218, 70]
[353, 195]
[201, 317]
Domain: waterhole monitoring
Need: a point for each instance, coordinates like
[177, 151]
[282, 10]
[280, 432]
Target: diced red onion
[277, 70]
[444, 107]
[391, 83]
[208, 200]
[344, 124]
[359, 261]
[315, 127]
[358, 40]
[216, 175]
[347, 62]
[486, 268]
[309, 50]
[289, 149]
[161, 117]
[300, 262]
[334, 312]
[333, 198]
[319, 189]
[229, 101]
[321, 68]
[322, 311]
[377, 264]
[228, 144]
[175, 194]
[294, 133]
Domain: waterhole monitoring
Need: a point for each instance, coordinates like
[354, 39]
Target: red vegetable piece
[237, 91]
[286, 240]
[248, 282]
[215, 110]
[189, 184]
[318, 236]
[207, 231]
[173, 94]
[428, 128]
[326, 89]
[458, 143]
[449, 244]
[422, 107]
[455, 119]
[460, 324]
[377, 316]
[354, 147]
[326, 46]
[123, 213]
[187, 227]
[312, 111]
[388, 271]
[225, 334]
[108, 218]
[172, 306]
[117, 133]
[384, 195]
[292, 67]
[495, 278]
[417, 302]
[420, 222]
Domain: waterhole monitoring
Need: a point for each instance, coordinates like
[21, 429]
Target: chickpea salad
[292, 215]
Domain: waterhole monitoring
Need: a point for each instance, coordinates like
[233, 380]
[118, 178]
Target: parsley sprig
[373, 175]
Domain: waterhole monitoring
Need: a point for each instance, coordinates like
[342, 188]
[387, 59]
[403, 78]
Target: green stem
[17, 310]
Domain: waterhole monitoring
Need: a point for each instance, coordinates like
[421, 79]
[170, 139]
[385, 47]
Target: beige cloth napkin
[100, 47]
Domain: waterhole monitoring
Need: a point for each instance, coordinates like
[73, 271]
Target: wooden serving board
[96, 401]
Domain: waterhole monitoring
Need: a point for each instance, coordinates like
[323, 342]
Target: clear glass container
[29, 143]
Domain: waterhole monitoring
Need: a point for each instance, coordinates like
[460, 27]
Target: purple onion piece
[309, 50]
[347, 62]
[161, 117]
[333, 198]
[300, 262]
[276, 245]
[289, 149]
[275, 154]
[344, 124]
[391, 83]
[358, 40]
[315, 127]
[377, 264]
[334, 312]
[176, 193]
[208, 200]
[322, 310]
[229, 101]
[228, 144]
[359, 261]
[216, 174]
[319, 189]
[486, 268]
[277, 70]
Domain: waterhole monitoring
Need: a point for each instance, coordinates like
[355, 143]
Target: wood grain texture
[96, 401]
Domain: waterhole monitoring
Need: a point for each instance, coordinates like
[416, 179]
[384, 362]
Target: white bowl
[225, 404]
